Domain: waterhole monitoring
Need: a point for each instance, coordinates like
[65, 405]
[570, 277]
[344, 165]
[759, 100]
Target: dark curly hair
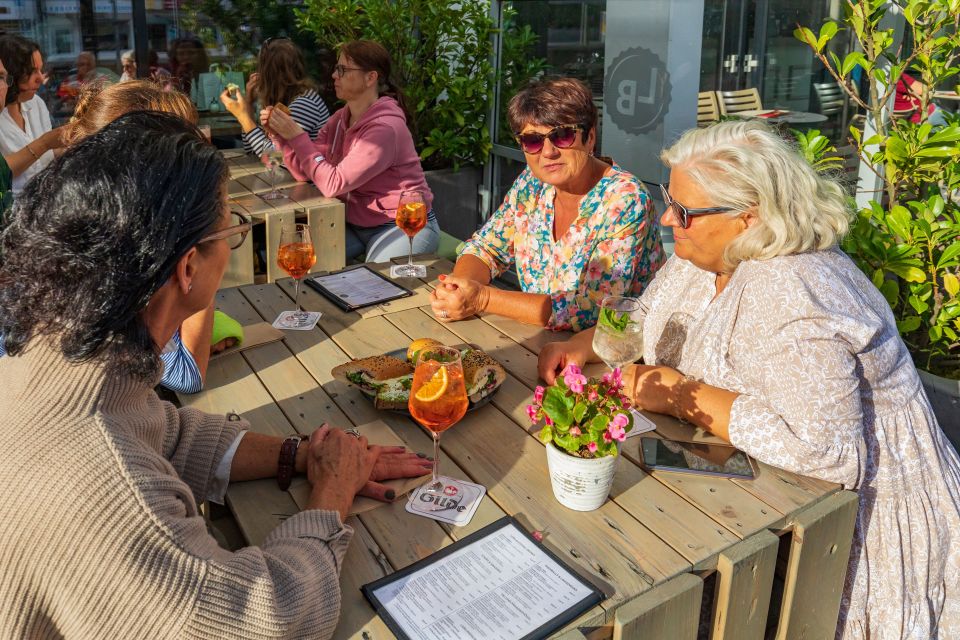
[99, 231]
[16, 52]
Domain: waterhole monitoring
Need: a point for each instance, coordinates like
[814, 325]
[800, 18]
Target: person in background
[15, 163]
[281, 78]
[363, 154]
[128, 61]
[907, 100]
[577, 228]
[761, 331]
[158, 73]
[25, 121]
[187, 355]
[188, 59]
[102, 536]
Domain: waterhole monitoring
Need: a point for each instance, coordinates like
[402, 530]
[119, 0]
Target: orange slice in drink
[435, 386]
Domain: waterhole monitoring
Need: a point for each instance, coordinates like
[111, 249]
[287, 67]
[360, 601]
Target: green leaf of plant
[850, 61]
[951, 284]
[579, 411]
[949, 255]
[614, 321]
[599, 424]
[908, 273]
[546, 434]
[555, 406]
[918, 305]
[890, 292]
[936, 333]
[908, 324]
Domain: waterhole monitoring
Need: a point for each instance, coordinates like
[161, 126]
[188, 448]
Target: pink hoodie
[366, 166]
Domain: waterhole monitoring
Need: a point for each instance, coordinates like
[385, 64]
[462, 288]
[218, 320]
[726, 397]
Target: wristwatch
[286, 467]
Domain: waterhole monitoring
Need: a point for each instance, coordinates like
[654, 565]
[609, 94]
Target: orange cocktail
[438, 398]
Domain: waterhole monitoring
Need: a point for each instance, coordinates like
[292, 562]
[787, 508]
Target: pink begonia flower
[575, 431]
[575, 385]
[615, 433]
[592, 447]
[607, 437]
[617, 377]
[592, 396]
[572, 368]
[533, 413]
[620, 421]
[538, 395]
[548, 421]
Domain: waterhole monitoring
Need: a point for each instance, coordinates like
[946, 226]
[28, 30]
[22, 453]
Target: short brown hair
[553, 102]
[100, 104]
[283, 72]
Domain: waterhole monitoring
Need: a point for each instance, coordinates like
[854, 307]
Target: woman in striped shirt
[281, 78]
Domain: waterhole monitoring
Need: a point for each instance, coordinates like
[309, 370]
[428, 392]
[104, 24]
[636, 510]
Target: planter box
[456, 199]
[944, 395]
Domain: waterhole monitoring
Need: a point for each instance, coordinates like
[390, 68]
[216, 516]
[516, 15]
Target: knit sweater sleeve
[194, 442]
[287, 588]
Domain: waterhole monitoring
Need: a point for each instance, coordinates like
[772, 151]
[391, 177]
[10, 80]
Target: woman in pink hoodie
[364, 155]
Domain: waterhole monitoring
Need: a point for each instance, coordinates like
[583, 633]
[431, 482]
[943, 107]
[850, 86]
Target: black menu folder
[498, 583]
[356, 287]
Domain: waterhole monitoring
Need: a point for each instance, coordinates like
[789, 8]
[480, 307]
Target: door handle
[750, 63]
[730, 63]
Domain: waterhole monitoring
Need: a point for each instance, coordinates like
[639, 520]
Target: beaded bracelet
[678, 395]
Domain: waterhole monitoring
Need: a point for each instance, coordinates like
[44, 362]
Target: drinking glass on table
[438, 400]
[296, 256]
[411, 218]
[273, 160]
[618, 339]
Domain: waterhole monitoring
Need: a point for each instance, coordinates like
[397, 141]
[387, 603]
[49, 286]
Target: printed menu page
[503, 587]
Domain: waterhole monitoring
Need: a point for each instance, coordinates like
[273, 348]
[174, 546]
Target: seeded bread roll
[482, 374]
[369, 374]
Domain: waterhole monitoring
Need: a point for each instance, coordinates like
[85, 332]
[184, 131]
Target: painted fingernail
[421, 455]
[430, 458]
[390, 494]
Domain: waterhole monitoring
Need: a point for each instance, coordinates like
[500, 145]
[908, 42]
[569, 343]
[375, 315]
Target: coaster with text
[297, 320]
[408, 271]
[457, 505]
[641, 424]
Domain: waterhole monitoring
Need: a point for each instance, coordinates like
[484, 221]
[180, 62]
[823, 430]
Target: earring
[190, 287]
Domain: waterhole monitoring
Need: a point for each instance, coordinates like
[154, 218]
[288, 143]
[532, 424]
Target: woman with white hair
[128, 61]
[762, 332]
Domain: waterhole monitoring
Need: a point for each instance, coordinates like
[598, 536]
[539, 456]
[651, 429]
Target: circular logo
[450, 490]
[637, 90]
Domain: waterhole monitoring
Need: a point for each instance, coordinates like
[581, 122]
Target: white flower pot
[581, 484]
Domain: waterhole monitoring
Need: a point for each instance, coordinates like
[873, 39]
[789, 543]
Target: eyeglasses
[683, 213]
[340, 70]
[241, 228]
[272, 39]
[562, 137]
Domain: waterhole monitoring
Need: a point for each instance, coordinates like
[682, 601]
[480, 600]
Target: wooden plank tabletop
[653, 527]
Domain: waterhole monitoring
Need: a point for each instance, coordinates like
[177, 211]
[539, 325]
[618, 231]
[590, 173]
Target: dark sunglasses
[272, 39]
[683, 213]
[562, 137]
[235, 234]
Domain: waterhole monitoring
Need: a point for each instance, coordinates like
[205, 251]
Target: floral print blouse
[612, 248]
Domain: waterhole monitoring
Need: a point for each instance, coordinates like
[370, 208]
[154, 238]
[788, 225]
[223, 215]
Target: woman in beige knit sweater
[105, 255]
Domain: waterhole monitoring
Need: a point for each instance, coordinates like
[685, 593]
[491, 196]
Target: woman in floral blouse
[577, 228]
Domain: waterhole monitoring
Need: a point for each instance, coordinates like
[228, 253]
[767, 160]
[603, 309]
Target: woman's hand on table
[277, 122]
[458, 298]
[652, 388]
[555, 356]
[339, 465]
[393, 463]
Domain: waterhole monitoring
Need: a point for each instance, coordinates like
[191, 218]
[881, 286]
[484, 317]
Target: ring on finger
[443, 314]
[352, 432]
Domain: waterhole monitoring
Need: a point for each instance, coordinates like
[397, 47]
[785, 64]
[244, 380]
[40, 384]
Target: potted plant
[584, 423]
[907, 235]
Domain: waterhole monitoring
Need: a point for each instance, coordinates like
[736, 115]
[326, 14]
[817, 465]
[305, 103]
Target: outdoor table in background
[221, 124]
[949, 99]
[786, 117]
[249, 180]
[651, 548]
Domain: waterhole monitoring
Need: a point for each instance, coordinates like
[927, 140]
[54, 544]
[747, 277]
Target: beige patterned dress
[828, 390]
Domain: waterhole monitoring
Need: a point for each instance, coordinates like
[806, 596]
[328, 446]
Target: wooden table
[650, 548]
[249, 181]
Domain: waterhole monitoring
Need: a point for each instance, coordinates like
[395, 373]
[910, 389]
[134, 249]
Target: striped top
[308, 110]
[180, 371]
